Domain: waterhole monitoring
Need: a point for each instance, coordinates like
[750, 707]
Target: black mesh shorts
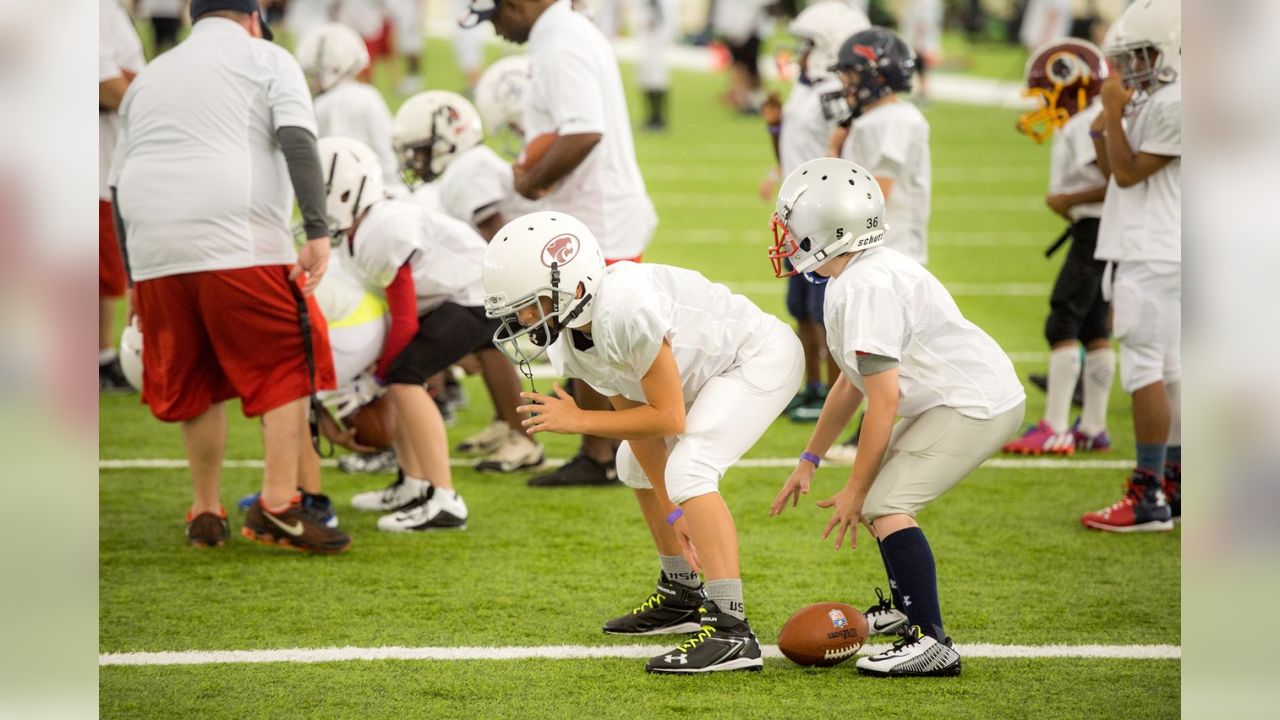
[445, 336]
[1076, 308]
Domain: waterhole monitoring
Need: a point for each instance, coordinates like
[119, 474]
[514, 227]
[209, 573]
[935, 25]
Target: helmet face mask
[514, 336]
[430, 130]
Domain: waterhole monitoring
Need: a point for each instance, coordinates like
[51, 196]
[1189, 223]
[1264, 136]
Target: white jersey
[710, 329]
[885, 304]
[805, 130]
[202, 184]
[119, 51]
[428, 196]
[356, 110]
[476, 184]
[575, 88]
[357, 319]
[445, 254]
[1074, 164]
[1143, 223]
[891, 141]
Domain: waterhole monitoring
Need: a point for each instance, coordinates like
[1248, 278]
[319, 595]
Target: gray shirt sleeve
[871, 364]
[303, 158]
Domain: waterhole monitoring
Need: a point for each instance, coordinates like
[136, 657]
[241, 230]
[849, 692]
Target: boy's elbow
[675, 424]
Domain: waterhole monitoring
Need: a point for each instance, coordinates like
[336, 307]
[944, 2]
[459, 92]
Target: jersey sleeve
[287, 93]
[1164, 131]
[381, 247]
[875, 322]
[474, 184]
[572, 92]
[634, 338]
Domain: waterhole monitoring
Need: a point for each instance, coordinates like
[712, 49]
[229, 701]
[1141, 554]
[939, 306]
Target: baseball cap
[203, 7]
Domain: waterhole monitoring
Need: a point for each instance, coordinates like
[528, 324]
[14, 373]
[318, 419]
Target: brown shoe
[207, 529]
[292, 528]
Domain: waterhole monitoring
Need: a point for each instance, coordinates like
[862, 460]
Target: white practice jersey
[428, 196]
[445, 254]
[885, 304]
[575, 88]
[710, 329]
[1074, 164]
[478, 183]
[119, 52]
[364, 16]
[1143, 223]
[356, 110]
[805, 130]
[892, 141]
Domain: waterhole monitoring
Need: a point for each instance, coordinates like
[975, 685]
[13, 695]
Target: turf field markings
[762, 237]
[1040, 290]
[584, 652]
[770, 463]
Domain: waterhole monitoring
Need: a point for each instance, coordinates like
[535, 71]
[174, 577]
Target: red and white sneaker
[1040, 439]
[1142, 509]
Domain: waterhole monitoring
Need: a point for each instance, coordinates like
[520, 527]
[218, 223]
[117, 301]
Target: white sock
[1064, 370]
[106, 355]
[418, 483]
[1173, 390]
[1099, 371]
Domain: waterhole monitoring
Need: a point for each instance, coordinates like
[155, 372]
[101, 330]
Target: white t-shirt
[575, 88]
[710, 329]
[1143, 223]
[885, 304]
[201, 181]
[119, 50]
[446, 254]
[1074, 164]
[892, 141]
[356, 110]
[476, 184]
[805, 130]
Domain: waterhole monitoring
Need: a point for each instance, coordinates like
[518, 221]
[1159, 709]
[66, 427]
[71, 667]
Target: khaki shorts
[931, 452]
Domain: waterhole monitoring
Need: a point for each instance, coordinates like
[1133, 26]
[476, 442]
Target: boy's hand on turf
[793, 488]
[558, 414]
[848, 514]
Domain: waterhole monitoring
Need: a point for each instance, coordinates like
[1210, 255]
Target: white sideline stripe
[768, 463]
[583, 652]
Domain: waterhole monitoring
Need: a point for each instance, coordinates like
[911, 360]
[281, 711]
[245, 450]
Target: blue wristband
[675, 515]
[817, 461]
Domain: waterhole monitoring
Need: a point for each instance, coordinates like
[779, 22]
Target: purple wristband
[817, 461]
[675, 515]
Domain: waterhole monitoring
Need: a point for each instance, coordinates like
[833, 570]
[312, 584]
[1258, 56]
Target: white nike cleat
[395, 496]
[883, 618]
[487, 440]
[915, 655]
[439, 510]
[517, 452]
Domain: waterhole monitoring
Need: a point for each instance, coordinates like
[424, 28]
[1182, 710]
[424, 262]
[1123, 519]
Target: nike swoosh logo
[881, 624]
[294, 529]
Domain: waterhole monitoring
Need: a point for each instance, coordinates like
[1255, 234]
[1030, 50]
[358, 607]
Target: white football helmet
[500, 98]
[330, 54]
[823, 27]
[540, 255]
[352, 180]
[131, 354]
[826, 207]
[431, 129]
[1145, 44]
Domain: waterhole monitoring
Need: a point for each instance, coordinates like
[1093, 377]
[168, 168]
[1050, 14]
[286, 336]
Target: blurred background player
[1138, 141]
[303, 16]
[468, 48]
[903, 344]
[499, 98]
[332, 56]
[212, 133]
[1044, 22]
[800, 130]
[1064, 78]
[921, 26]
[405, 17]
[695, 374]
[120, 58]
[656, 24]
[165, 17]
[737, 23]
[589, 168]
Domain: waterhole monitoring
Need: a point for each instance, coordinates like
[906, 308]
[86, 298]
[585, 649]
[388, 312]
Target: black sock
[908, 553]
[656, 101]
[888, 571]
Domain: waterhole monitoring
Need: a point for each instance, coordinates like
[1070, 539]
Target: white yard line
[778, 463]
[584, 652]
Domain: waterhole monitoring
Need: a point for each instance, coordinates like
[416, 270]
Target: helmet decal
[560, 250]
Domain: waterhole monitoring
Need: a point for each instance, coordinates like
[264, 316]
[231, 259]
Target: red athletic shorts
[636, 259]
[382, 44]
[112, 281]
[212, 336]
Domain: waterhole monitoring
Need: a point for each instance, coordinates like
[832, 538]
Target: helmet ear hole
[805, 245]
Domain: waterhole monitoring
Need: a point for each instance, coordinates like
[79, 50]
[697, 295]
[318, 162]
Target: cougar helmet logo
[560, 250]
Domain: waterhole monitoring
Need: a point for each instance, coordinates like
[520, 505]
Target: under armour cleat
[672, 608]
[723, 643]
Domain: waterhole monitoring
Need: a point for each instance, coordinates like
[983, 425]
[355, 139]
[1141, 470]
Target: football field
[503, 620]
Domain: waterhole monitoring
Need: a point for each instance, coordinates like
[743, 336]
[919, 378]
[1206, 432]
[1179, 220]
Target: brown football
[823, 634]
[375, 423]
[535, 149]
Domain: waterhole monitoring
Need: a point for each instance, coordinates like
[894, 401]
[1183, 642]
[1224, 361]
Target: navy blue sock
[1173, 454]
[888, 572]
[1151, 458]
[908, 553]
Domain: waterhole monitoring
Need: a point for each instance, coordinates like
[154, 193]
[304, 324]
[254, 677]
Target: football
[375, 424]
[823, 634]
[535, 149]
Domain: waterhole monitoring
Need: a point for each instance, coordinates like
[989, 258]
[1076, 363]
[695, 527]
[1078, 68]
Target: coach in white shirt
[212, 134]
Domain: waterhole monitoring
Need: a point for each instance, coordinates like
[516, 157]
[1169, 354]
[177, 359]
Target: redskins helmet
[1063, 77]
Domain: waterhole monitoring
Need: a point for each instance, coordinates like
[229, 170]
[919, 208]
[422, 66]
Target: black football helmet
[874, 63]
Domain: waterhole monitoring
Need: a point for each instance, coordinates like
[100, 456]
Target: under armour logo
[906, 601]
[683, 659]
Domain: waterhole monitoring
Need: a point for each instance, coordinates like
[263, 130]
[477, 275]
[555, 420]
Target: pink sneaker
[1040, 439]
